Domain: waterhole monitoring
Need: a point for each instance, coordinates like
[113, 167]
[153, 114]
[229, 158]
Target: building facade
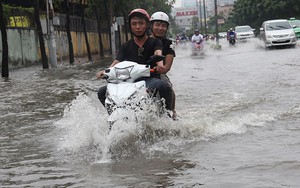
[190, 8]
[183, 16]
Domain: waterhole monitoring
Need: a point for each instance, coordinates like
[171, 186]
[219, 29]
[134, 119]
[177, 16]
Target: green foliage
[8, 10]
[104, 7]
[123, 7]
[254, 12]
[173, 28]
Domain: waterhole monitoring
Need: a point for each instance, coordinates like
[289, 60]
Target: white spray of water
[84, 126]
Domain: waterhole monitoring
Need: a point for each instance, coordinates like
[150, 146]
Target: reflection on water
[52, 123]
[54, 131]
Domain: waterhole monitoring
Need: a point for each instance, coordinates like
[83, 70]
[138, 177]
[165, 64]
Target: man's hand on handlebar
[100, 74]
[160, 69]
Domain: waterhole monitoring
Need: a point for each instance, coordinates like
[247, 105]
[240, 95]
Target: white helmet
[159, 16]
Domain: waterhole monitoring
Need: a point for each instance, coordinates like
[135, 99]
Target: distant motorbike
[197, 47]
[232, 39]
[128, 99]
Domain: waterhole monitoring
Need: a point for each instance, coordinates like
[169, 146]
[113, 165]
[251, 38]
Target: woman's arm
[168, 62]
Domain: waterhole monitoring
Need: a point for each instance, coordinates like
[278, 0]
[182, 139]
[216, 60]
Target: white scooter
[128, 99]
[197, 48]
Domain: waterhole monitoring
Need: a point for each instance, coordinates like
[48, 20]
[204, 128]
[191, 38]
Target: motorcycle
[232, 39]
[128, 99]
[197, 48]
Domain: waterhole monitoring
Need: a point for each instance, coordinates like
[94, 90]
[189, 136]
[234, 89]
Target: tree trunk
[71, 52]
[216, 22]
[40, 34]
[85, 35]
[108, 8]
[99, 32]
[5, 72]
[125, 24]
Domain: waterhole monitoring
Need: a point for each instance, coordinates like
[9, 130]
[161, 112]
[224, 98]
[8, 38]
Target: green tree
[105, 10]
[123, 7]
[254, 12]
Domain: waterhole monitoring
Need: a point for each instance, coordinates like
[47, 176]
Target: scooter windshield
[123, 73]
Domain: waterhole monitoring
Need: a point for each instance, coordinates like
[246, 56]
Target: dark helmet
[139, 13]
[197, 30]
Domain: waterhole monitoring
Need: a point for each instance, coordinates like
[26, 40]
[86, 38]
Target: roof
[276, 20]
[242, 26]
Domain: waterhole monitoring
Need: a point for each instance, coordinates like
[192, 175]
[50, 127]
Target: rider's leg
[174, 115]
[164, 88]
[167, 79]
[101, 95]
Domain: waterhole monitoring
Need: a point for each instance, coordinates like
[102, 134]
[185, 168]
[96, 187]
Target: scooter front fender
[118, 93]
[122, 114]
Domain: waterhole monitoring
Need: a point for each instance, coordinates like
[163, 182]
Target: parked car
[277, 33]
[296, 25]
[244, 32]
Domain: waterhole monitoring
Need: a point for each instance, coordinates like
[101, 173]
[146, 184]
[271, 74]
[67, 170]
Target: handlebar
[104, 77]
[155, 58]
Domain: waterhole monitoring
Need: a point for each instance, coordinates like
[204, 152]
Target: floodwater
[239, 117]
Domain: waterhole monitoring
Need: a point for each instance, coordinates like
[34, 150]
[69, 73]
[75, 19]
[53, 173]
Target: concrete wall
[79, 45]
[24, 46]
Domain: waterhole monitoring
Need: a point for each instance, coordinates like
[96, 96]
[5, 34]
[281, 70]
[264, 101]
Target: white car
[244, 32]
[277, 33]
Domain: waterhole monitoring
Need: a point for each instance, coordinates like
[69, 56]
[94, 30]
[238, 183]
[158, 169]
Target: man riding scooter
[231, 36]
[140, 49]
[197, 41]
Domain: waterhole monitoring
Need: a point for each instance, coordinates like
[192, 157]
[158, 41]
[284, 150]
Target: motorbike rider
[177, 39]
[159, 24]
[197, 38]
[139, 49]
[231, 33]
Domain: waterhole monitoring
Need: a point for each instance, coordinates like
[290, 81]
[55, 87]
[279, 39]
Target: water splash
[82, 127]
[84, 132]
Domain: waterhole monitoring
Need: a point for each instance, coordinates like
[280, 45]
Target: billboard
[18, 21]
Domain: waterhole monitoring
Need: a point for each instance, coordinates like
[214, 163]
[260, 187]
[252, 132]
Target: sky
[177, 3]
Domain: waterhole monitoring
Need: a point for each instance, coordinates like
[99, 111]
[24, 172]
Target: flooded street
[239, 117]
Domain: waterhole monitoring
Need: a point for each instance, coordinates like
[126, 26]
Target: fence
[24, 46]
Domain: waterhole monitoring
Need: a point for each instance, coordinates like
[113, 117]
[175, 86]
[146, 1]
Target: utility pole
[216, 22]
[200, 13]
[112, 30]
[50, 32]
[204, 14]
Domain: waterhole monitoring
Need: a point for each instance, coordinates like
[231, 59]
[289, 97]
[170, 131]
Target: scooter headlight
[123, 73]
